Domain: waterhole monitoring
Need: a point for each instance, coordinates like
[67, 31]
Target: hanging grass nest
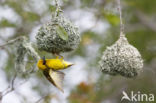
[23, 50]
[121, 58]
[58, 35]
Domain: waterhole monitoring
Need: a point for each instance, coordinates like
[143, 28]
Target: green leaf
[30, 16]
[61, 32]
[88, 3]
[112, 19]
[52, 8]
[6, 23]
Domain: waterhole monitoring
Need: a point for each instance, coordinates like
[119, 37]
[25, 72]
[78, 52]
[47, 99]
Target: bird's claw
[58, 56]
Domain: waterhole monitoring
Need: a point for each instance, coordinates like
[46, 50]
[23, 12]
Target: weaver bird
[51, 67]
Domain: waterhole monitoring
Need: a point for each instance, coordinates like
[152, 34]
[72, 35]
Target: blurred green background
[99, 24]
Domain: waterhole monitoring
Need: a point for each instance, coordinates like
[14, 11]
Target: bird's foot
[58, 56]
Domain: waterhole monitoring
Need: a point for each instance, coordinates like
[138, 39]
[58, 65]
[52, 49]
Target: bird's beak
[70, 64]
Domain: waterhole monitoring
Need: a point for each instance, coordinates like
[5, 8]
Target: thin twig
[145, 20]
[10, 42]
[58, 9]
[1, 97]
[39, 100]
[10, 87]
[56, 3]
[121, 23]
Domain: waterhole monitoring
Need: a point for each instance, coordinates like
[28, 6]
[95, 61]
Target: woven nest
[121, 58]
[49, 40]
[24, 49]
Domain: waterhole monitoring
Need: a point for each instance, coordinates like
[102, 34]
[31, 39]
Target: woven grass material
[49, 40]
[121, 58]
[24, 49]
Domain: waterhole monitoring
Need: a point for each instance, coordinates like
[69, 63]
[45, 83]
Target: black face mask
[44, 61]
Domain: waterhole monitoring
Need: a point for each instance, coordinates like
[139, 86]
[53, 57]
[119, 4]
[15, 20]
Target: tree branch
[10, 42]
[10, 88]
[146, 20]
[58, 9]
[39, 100]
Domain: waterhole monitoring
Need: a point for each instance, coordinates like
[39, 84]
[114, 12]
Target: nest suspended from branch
[58, 35]
[121, 58]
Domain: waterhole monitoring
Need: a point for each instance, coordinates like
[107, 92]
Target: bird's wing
[46, 74]
[57, 78]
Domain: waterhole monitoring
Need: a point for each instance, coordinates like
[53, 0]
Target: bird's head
[44, 61]
[41, 63]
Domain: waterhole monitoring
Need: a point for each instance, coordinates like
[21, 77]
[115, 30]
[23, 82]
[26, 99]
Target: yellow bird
[51, 67]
